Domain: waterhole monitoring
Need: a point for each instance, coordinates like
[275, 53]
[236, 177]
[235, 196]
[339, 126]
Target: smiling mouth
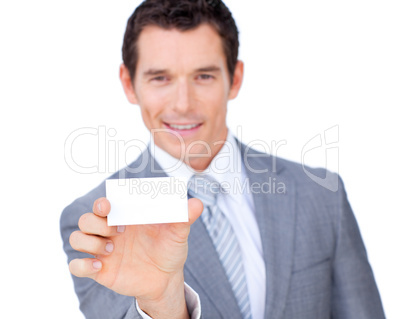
[186, 127]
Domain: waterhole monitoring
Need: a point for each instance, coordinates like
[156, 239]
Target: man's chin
[185, 148]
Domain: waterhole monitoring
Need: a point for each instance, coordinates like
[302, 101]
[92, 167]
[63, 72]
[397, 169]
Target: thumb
[195, 208]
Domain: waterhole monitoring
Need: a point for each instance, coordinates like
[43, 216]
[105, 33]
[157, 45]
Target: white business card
[137, 201]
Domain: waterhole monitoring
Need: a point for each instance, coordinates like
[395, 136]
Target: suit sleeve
[192, 301]
[354, 293]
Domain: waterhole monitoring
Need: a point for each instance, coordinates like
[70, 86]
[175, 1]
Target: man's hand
[143, 261]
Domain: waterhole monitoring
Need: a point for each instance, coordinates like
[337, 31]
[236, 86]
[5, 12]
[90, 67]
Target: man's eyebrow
[153, 72]
[211, 68]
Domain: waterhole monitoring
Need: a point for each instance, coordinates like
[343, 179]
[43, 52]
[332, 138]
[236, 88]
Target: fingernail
[99, 207]
[97, 264]
[121, 229]
[109, 247]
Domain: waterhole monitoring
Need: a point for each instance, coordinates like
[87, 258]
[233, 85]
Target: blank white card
[137, 201]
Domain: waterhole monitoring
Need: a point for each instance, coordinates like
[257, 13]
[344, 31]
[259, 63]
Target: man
[295, 250]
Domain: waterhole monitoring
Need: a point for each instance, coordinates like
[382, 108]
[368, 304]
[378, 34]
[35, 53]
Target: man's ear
[127, 83]
[237, 80]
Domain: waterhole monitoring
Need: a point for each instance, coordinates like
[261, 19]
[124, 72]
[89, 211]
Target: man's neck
[200, 162]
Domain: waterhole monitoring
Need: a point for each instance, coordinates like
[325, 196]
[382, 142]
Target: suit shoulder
[300, 175]
[307, 175]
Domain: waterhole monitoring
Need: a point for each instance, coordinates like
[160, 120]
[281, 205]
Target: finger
[90, 244]
[101, 207]
[92, 224]
[195, 208]
[86, 267]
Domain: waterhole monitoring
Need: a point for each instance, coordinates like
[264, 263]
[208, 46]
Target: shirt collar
[225, 167]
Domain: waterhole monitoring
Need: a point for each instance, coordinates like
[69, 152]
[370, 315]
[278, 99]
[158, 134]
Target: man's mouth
[182, 127]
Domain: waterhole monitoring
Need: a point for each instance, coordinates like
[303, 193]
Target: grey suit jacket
[316, 263]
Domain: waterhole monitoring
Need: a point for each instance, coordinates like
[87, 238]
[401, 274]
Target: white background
[310, 65]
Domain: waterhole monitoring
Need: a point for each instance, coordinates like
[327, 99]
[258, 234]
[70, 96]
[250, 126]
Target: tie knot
[205, 188]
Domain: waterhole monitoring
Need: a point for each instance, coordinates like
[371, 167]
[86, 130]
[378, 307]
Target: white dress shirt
[237, 204]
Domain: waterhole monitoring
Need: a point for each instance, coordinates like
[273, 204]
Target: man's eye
[205, 76]
[160, 78]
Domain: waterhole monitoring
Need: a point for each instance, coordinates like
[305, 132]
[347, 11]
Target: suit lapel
[204, 265]
[275, 214]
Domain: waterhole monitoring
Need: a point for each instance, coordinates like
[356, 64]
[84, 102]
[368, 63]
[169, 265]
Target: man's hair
[182, 15]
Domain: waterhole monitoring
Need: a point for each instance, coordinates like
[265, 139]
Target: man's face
[182, 86]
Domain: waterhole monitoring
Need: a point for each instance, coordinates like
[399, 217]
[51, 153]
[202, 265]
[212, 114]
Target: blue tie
[206, 189]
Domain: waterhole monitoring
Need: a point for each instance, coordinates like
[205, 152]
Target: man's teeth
[183, 127]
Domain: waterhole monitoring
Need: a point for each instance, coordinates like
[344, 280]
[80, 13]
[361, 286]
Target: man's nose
[182, 102]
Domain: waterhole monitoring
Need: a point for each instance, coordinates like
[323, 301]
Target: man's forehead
[198, 48]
